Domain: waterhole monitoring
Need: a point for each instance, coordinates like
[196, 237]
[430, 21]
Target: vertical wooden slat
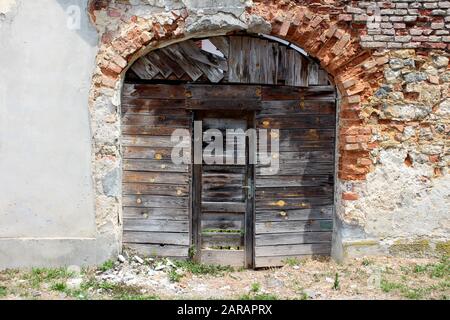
[235, 59]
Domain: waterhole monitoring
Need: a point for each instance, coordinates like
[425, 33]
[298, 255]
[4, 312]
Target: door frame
[196, 188]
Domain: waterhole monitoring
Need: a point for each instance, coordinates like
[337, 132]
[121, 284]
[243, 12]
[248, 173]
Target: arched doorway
[240, 213]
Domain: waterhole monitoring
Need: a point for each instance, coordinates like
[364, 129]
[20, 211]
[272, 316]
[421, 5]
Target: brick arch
[357, 73]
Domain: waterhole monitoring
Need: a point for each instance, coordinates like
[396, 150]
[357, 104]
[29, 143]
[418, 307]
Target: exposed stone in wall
[394, 108]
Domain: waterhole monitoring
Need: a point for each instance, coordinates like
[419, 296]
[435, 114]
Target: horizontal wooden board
[233, 258]
[154, 166]
[151, 250]
[322, 93]
[224, 207]
[297, 122]
[155, 225]
[149, 130]
[156, 213]
[153, 111]
[294, 203]
[155, 201]
[155, 189]
[132, 152]
[293, 250]
[271, 239]
[218, 92]
[293, 226]
[292, 192]
[293, 181]
[139, 104]
[173, 121]
[154, 91]
[282, 107]
[175, 238]
[155, 177]
[293, 169]
[222, 239]
[319, 213]
[201, 104]
[222, 221]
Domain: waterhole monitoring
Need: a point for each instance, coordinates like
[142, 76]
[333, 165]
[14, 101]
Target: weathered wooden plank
[291, 157]
[293, 226]
[222, 44]
[233, 258]
[282, 63]
[155, 201]
[296, 107]
[297, 169]
[179, 214]
[161, 111]
[175, 238]
[223, 207]
[149, 120]
[296, 122]
[222, 222]
[293, 181]
[318, 93]
[150, 130]
[149, 225]
[176, 69]
[222, 239]
[133, 152]
[289, 250]
[159, 64]
[293, 192]
[153, 165]
[317, 213]
[154, 91]
[271, 239]
[235, 59]
[155, 189]
[144, 70]
[221, 92]
[201, 104]
[294, 203]
[195, 53]
[147, 105]
[313, 70]
[155, 177]
[149, 250]
[174, 52]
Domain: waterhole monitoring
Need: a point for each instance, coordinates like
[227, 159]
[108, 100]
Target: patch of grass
[387, 286]
[440, 269]
[255, 287]
[174, 276]
[198, 268]
[107, 265]
[260, 296]
[3, 292]
[366, 262]
[291, 261]
[59, 286]
[336, 284]
[140, 297]
[39, 275]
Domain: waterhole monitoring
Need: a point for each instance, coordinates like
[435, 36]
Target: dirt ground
[134, 278]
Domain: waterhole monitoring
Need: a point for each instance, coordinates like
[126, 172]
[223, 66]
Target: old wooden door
[223, 186]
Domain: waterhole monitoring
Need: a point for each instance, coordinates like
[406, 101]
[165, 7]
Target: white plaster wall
[46, 189]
